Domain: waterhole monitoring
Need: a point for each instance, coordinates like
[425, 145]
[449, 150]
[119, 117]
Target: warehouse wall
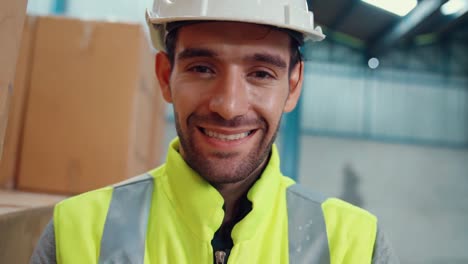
[394, 141]
[418, 192]
[116, 10]
[121, 10]
[40, 7]
[406, 105]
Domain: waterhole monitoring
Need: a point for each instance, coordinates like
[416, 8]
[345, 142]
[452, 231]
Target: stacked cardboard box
[16, 201]
[11, 148]
[23, 216]
[93, 114]
[12, 15]
[85, 112]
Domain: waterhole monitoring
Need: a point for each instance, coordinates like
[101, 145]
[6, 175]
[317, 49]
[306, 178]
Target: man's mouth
[225, 137]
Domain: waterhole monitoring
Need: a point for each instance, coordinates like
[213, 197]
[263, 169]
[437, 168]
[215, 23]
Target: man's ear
[295, 86]
[163, 73]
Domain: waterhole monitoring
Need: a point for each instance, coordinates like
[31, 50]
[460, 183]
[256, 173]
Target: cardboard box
[14, 131]
[23, 217]
[94, 112]
[12, 15]
[20, 232]
[13, 201]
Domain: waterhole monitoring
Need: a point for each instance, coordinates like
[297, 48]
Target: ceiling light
[373, 63]
[454, 6]
[398, 7]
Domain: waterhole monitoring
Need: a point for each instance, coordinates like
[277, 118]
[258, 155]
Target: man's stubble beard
[210, 170]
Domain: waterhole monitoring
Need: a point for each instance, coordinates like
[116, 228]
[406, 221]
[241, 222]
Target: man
[230, 69]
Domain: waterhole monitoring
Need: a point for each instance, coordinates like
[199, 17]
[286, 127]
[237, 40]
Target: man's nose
[230, 96]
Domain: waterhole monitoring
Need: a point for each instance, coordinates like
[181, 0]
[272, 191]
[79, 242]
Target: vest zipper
[220, 257]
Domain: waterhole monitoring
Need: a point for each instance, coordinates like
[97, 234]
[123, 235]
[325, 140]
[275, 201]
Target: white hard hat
[288, 14]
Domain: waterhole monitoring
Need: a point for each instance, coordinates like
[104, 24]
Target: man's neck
[234, 192]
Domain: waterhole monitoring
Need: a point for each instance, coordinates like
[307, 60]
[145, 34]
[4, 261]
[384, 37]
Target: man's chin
[224, 167]
[222, 174]
[219, 171]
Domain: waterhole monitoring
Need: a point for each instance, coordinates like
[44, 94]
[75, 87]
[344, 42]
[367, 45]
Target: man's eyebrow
[268, 58]
[196, 52]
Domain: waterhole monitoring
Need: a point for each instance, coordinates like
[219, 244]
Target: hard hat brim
[312, 35]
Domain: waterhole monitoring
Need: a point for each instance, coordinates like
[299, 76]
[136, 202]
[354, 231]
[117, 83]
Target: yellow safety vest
[170, 215]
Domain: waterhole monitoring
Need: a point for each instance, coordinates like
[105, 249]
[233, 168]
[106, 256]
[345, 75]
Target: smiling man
[230, 69]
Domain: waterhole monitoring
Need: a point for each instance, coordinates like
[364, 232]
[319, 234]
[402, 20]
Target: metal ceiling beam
[344, 39]
[453, 21]
[343, 13]
[389, 39]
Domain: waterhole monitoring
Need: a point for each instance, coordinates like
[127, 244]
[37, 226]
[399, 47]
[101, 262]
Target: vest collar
[200, 205]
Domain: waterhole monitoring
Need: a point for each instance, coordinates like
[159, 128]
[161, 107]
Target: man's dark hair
[295, 44]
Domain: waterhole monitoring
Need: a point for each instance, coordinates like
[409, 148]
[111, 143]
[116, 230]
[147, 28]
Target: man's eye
[201, 69]
[261, 75]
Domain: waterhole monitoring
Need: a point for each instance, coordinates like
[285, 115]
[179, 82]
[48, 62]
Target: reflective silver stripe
[123, 239]
[308, 242]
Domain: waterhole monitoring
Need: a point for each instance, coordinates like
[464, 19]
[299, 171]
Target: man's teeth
[225, 137]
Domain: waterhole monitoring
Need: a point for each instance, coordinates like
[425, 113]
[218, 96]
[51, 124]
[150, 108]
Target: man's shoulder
[329, 204]
[102, 196]
[350, 209]
[84, 204]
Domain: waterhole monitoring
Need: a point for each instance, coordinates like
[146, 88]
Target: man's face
[229, 86]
